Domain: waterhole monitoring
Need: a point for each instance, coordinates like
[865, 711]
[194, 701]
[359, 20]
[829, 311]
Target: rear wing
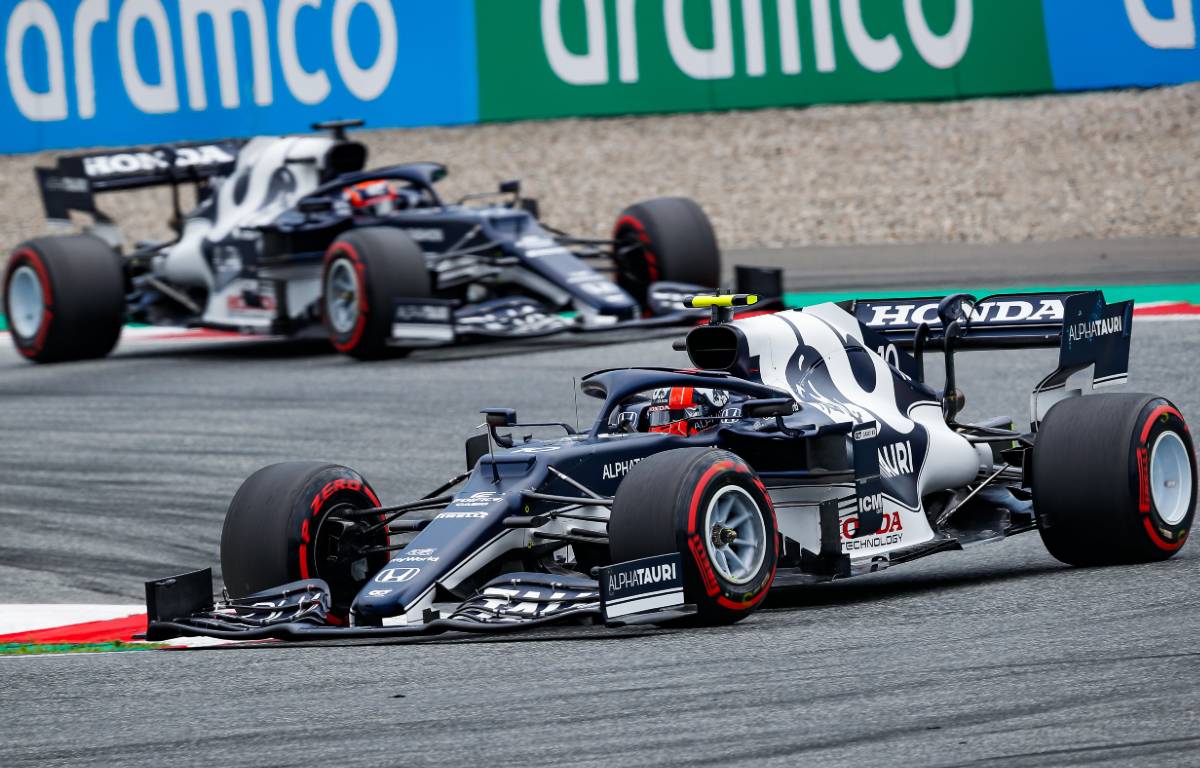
[1000, 320]
[75, 180]
[1086, 329]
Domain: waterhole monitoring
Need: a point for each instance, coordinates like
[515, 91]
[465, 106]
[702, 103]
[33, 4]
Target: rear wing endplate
[75, 180]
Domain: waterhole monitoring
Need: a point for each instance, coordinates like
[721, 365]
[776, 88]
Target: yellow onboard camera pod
[729, 300]
[721, 304]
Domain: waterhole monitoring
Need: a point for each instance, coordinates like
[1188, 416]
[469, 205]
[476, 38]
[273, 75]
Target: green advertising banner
[77, 76]
[552, 58]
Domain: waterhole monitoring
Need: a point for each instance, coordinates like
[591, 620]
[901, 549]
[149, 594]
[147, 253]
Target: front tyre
[710, 507]
[667, 239]
[285, 524]
[65, 298]
[1114, 479]
[365, 271]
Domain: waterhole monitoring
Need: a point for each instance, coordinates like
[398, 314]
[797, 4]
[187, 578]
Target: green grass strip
[4, 324]
[39, 649]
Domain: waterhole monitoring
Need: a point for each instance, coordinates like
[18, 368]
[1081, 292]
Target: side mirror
[311, 205]
[530, 206]
[499, 417]
[627, 422]
[773, 407]
[511, 187]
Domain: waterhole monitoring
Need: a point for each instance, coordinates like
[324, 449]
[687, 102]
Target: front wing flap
[439, 322]
[184, 606]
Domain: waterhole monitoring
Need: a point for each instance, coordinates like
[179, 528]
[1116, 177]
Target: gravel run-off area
[1089, 165]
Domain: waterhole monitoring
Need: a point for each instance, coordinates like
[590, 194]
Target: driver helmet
[376, 197]
[685, 410]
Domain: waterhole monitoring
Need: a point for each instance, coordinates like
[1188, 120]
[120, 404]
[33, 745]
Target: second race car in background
[290, 236]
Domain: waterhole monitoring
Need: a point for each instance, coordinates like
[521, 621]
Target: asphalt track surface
[948, 265]
[119, 471]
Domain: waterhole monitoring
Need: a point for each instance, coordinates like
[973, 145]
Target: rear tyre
[710, 507]
[668, 239]
[64, 298]
[366, 270]
[283, 526]
[1114, 479]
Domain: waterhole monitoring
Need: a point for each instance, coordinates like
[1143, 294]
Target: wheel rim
[1170, 478]
[341, 296]
[338, 554]
[26, 303]
[737, 540]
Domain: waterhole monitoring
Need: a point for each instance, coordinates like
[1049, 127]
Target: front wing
[184, 606]
[436, 322]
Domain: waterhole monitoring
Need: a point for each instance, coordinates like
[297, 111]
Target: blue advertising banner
[106, 72]
[82, 73]
[1113, 43]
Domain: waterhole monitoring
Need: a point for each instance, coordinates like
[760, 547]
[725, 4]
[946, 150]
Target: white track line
[30, 618]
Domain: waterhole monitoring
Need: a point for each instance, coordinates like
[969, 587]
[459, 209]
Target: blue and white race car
[289, 235]
[805, 446]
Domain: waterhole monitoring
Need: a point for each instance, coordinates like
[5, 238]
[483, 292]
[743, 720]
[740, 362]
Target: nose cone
[609, 299]
[393, 591]
[460, 531]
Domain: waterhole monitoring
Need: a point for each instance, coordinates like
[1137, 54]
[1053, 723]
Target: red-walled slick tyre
[710, 507]
[1114, 479]
[365, 272]
[283, 526]
[64, 298]
[666, 239]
